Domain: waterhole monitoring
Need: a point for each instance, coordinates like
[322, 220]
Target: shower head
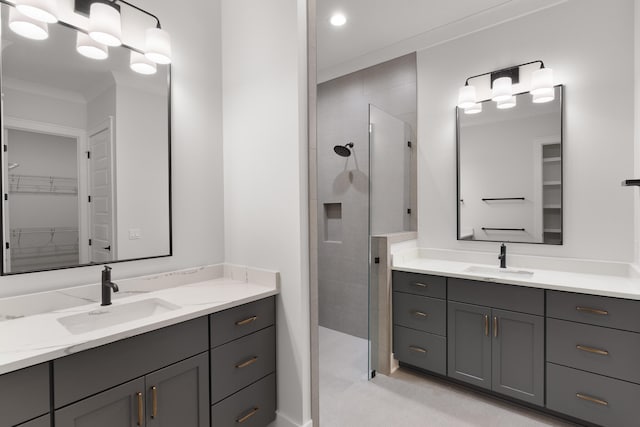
[343, 150]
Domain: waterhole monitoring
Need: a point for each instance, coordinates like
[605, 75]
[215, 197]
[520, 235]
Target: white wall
[25, 102]
[198, 228]
[265, 159]
[597, 68]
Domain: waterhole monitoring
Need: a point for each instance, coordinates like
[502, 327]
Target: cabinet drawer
[506, 297]
[420, 284]
[422, 313]
[420, 349]
[24, 394]
[43, 421]
[595, 310]
[254, 406]
[239, 363]
[604, 401]
[595, 349]
[237, 322]
[91, 371]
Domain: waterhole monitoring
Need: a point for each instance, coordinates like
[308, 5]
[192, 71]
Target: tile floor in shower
[405, 398]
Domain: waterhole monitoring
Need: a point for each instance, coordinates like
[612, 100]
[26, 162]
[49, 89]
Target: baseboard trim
[284, 421]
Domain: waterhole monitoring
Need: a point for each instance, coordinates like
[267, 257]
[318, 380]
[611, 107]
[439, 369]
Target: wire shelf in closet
[42, 184]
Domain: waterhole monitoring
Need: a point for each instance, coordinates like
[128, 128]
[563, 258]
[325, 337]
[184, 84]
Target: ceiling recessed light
[338, 20]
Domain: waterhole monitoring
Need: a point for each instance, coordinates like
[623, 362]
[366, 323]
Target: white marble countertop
[611, 279]
[40, 337]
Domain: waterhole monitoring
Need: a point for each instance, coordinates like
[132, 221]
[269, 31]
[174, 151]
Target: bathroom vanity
[556, 347]
[210, 362]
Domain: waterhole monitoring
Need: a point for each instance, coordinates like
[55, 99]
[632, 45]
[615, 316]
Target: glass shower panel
[390, 196]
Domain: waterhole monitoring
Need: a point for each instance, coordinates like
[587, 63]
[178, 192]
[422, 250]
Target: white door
[101, 209]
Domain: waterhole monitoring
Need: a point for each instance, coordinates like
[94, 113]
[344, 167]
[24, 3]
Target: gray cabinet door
[179, 394]
[518, 355]
[469, 344]
[120, 406]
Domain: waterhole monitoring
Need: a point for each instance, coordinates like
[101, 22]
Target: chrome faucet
[503, 256]
[107, 285]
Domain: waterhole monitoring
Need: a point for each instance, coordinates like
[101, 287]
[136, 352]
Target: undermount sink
[499, 272]
[104, 317]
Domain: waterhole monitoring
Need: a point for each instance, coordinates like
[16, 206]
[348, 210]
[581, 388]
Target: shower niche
[333, 222]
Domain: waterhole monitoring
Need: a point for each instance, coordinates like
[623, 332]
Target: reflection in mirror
[510, 172]
[86, 161]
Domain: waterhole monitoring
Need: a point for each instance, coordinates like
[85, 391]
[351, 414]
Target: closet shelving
[552, 192]
[42, 184]
[51, 246]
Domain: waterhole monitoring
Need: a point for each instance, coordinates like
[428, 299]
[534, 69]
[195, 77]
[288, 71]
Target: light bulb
[466, 96]
[26, 26]
[141, 64]
[158, 46]
[506, 103]
[104, 24]
[502, 89]
[338, 20]
[541, 81]
[40, 10]
[90, 48]
[474, 109]
[542, 96]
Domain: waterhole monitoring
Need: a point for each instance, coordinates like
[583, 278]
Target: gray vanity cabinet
[43, 421]
[24, 395]
[174, 396]
[493, 347]
[121, 406]
[469, 342]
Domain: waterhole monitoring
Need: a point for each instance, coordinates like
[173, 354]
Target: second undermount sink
[104, 317]
[499, 272]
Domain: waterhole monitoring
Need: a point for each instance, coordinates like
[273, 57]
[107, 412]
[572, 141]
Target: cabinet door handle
[420, 314]
[247, 416]
[592, 310]
[140, 409]
[246, 321]
[249, 362]
[592, 350]
[417, 349]
[420, 285]
[154, 402]
[495, 326]
[486, 325]
[592, 399]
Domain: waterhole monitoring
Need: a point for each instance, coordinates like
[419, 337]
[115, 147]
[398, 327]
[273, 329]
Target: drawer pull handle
[486, 325]
[140, 409]
[154, 402]
[420, 285]
[249, 415]
[592, 310]
[246, 321]
[592, 399]
[417, 349]
[247, 363]
[592, 350]
[420, 314]
[495, 326]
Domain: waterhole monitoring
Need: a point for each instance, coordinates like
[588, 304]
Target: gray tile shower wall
[343, 117]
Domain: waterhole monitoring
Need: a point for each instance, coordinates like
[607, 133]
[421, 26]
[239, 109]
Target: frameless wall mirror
[510, 172]
[86, 159]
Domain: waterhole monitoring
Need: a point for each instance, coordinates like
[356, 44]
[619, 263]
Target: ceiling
[379, 30]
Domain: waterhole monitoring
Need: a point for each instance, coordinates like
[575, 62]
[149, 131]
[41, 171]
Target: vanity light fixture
[158, 45]
[40, 10]
[502, 81]
[474, 109]
[26, 26]
[90, 48]
[142, 64]
[104, 23]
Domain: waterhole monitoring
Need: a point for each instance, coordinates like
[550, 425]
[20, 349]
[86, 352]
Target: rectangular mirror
[510, 172]
[86, 159]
